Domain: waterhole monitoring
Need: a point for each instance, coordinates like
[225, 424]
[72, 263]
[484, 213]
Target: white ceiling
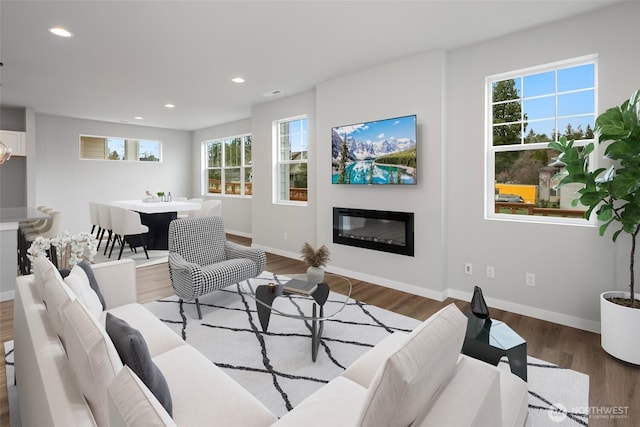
[129, 58]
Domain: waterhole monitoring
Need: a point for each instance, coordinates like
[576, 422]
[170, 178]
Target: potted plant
[614, 194]
[64, 250]
[315, 259]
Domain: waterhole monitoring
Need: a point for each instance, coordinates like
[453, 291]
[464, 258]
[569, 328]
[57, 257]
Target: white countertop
[20, 214]
[156, 207]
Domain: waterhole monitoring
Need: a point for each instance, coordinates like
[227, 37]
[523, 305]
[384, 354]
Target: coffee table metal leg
[518, 360]
[316, 333]
[264, 294]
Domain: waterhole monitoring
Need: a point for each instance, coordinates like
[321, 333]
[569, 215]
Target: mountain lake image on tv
[376, 152]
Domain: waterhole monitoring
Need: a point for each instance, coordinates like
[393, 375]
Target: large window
[291, 142]
[116, 148]
[228, 166]
[526, 110]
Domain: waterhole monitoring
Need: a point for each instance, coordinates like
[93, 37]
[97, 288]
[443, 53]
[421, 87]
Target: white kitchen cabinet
[14, 140]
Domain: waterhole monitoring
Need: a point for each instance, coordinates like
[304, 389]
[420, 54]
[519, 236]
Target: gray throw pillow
[133, 351]
[92, 281]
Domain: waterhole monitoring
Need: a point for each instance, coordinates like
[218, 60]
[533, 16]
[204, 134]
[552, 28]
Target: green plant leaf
[614, 193]
[610, 125]
[603, 228]
[625, 184]
[605, 213]
[616, 234]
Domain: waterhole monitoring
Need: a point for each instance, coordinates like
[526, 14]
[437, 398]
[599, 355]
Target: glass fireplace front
[387, 231]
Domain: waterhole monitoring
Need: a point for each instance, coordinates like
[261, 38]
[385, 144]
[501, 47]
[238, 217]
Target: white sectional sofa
[69, 371]
[58, 388]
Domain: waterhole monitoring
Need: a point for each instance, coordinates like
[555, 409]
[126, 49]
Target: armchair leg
[198, 307]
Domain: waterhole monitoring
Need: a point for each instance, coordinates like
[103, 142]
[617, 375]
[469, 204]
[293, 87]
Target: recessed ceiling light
[61, 32]
[169, 105]
[237, 80]
[138, 118]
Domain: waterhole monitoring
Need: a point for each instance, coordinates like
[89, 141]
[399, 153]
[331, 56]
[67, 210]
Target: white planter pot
[620, 328]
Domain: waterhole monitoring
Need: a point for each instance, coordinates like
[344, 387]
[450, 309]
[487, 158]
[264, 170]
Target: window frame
[490, 150]
[106, 140]
[277, 162]
[224, 167]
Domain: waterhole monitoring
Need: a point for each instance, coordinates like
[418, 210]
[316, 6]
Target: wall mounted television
[381, 152]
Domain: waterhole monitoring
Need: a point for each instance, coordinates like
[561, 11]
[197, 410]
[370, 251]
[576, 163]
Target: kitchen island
[10, 219]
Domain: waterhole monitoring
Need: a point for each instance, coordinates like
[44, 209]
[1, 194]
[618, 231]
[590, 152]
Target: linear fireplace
[387, 231]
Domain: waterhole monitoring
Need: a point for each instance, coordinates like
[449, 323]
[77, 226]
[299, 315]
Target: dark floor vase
[478, 305]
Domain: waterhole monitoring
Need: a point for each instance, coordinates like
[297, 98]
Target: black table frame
[158, 223]
[477, 345]
[266, 294]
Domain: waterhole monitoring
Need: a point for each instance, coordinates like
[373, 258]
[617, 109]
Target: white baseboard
[538, 313]
[399, 286]
[7, 296]
[392, 284]
[525, 310]
[238, 233]
[286, 254]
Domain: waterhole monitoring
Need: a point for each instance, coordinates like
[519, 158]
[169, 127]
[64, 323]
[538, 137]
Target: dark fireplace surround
[387, 231]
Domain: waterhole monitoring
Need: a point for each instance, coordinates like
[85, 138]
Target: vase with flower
[64, 250]
[315, 259]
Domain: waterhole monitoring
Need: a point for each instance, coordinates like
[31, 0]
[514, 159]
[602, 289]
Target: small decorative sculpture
[478, 305]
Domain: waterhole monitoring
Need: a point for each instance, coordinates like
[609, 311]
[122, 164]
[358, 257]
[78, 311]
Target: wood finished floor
[612, 383]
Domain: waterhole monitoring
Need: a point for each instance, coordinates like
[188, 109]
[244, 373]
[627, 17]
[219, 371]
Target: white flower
[74, 247]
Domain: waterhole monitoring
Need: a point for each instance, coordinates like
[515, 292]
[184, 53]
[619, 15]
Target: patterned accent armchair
[201, 260]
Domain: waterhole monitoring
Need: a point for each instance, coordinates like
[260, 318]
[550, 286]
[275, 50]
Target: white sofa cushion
[132, 404]
[204, 395]
[363, 369]
[41, 268]
[56, 297]
[78, 281]
[335, 404]
[92, 357]
[470, 398]
[410, 377]
[515, 399]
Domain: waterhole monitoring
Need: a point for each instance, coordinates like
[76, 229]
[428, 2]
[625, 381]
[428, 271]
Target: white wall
[572, 264]
[269, 220]
[236, 210]
[409, 86]
[67, 184]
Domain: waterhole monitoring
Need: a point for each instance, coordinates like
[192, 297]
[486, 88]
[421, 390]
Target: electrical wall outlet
[286, 236]
[491, 272]
[530, 279]
[468, 268]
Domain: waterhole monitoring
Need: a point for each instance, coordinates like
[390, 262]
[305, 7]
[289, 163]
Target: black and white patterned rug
[276, 366]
